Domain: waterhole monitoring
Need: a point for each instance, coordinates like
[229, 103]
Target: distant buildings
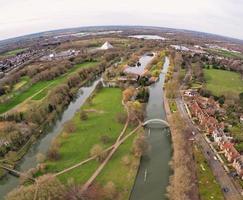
[19, 59]
[61, 55]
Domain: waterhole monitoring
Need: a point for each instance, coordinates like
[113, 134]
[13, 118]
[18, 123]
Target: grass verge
[208, 186]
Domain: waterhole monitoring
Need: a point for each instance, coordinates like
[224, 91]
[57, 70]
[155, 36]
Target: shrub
[69, 127]
[83, 115]
[140, 146]
[110, 190]
[40, 158]
[53, 154]
[126, 160]
[49, 187]
[97, 151]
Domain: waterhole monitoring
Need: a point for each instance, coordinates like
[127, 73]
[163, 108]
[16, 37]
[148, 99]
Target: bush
[53, 154]
[110, 190]
[140, 146]
[97, 151]
[83, 115]
[40, 158]
[49, 187]
[126, 160]
[69, 127]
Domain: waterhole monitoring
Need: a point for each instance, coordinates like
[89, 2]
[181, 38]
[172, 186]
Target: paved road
[221, 175]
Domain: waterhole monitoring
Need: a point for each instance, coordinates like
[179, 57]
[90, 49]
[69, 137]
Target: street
[218, 170]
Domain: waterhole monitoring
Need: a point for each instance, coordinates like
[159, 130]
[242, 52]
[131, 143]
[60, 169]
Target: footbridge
[156, 121]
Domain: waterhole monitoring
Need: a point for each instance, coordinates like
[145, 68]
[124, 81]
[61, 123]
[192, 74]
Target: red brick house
[238, 165]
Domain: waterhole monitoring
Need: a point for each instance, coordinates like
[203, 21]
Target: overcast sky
[19, 17]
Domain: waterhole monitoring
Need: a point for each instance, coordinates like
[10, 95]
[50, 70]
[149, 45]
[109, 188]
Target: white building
[106, 46]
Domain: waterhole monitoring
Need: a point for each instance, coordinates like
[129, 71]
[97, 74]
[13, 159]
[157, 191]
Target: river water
[139, 70]
[29, 160]
[154, 171]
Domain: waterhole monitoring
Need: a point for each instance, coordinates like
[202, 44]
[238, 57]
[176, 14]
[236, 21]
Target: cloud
[217, 16]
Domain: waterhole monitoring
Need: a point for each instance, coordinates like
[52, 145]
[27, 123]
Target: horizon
[221, 17]
[110, 26]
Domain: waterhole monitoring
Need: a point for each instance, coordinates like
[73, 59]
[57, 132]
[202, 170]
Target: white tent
[106, 46]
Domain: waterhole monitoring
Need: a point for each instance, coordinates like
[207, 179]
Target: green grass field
[221, 81]
[101, 121]
[208, 186]
[14, 52]
[62, 79]
[225, 53]
[37, 87]
[24, 80]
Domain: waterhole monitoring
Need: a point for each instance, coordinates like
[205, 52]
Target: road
[218, 170]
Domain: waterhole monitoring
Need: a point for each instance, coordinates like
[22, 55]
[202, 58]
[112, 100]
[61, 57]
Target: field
[14, 52]
[21, 83]
[220, 81]
[61, 79]
[208, 186]
[101, 121]
[39, 90]
[228, 54]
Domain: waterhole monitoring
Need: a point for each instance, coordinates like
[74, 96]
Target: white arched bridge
[156, 121]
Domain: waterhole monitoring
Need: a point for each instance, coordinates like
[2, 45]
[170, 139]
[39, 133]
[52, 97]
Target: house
[217, 136]
[238, 165]
[241, 119]
[231, 153]
[190, 93]
[225, 144]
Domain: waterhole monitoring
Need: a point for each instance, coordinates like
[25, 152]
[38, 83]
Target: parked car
[225, 189]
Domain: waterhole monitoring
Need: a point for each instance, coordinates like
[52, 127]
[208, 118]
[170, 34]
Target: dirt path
[100, 168]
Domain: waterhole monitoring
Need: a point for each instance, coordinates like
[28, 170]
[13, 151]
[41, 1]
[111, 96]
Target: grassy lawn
[237, 133]
[37, 87]
[102, 112]
[14, 52]
[221, 81]
[208, 186]
[225, 53]
[173, 107]
[21, 83]
[196, 85]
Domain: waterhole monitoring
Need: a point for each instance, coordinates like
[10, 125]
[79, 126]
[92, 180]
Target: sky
[20, 17]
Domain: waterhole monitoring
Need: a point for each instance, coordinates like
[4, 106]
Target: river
[139, 69]
[154, 171]
[9, 182]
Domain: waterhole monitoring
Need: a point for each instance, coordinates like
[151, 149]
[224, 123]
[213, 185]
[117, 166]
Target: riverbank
[10, 182]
